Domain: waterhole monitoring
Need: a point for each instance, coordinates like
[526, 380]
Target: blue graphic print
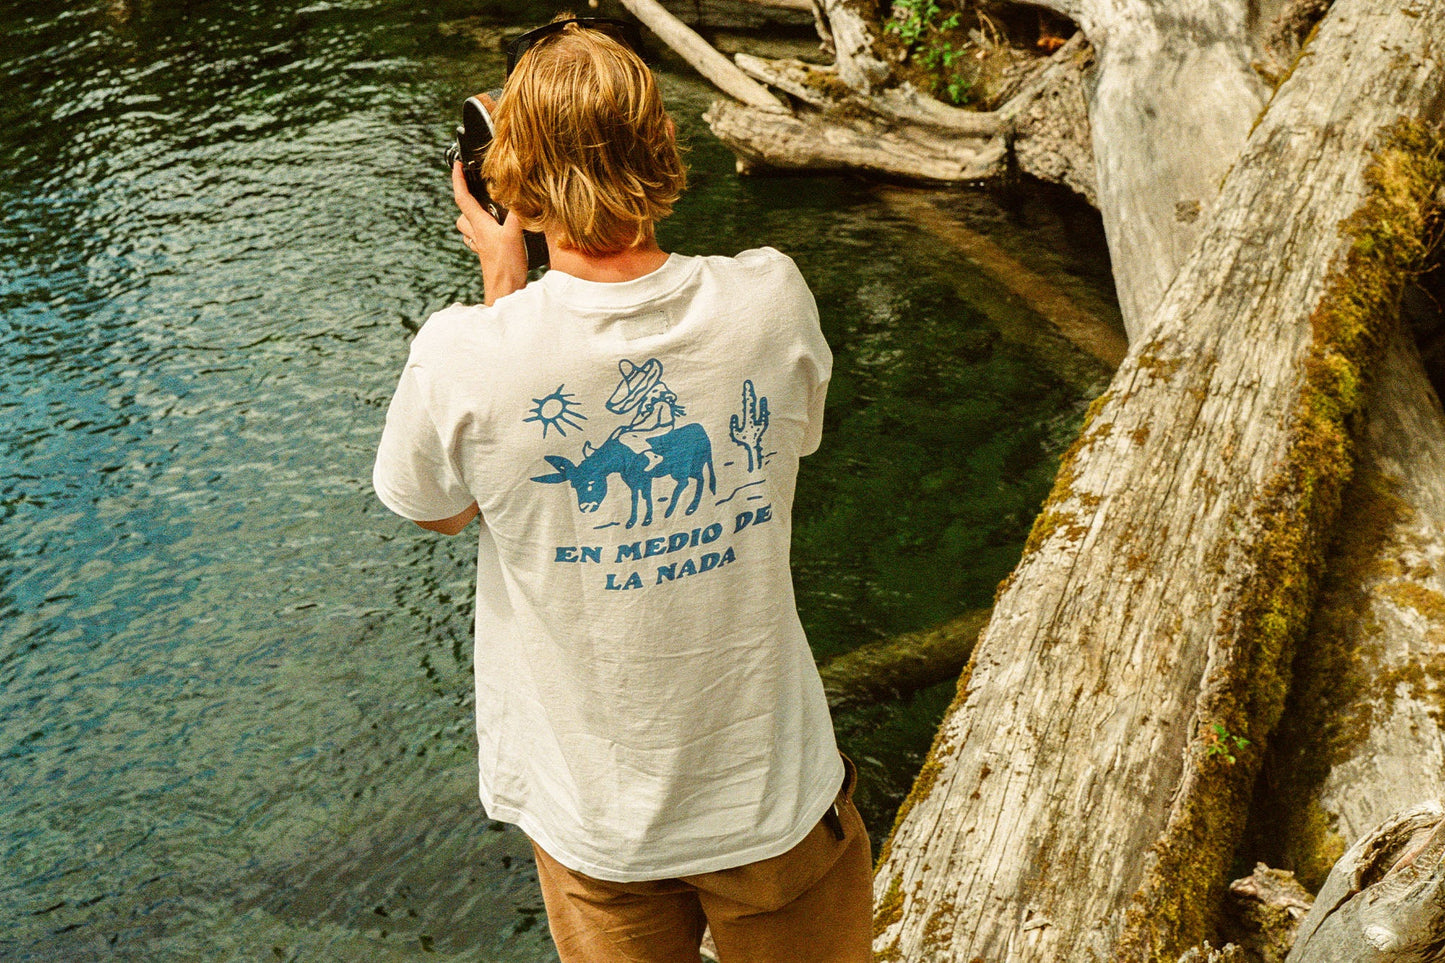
[748, 429]
[555, 411]
[649, 445]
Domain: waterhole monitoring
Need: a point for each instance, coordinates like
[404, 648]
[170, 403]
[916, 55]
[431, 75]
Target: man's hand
[499, 247]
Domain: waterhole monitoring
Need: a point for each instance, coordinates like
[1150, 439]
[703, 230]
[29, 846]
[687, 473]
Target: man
[648, 710]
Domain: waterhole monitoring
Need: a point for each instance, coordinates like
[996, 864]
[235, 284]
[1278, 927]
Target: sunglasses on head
[623, 31]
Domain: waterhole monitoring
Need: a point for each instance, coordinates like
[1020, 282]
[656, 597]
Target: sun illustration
[556, 411]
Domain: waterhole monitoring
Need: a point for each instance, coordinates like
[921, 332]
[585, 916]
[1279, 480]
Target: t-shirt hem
[714, 862]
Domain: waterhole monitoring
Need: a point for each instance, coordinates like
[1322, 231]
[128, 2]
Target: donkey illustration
[684, 452]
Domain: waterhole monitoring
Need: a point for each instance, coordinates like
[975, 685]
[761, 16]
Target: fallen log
[899, 132]
[1171, 569]
[1385, 900]
[1090, 332]
[791, 142]
[1158, 169]
[1364, 733]
[701, 56]
[898, 667]
[805, 6]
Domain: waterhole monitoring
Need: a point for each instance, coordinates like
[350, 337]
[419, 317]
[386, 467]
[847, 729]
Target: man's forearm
[450, 526]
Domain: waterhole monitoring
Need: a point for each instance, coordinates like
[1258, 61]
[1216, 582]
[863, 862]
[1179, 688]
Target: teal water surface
[235, 701]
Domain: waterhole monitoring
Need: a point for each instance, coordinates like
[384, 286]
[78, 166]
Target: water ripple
[234, 691]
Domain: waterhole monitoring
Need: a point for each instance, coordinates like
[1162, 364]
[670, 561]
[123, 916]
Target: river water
[235, 715]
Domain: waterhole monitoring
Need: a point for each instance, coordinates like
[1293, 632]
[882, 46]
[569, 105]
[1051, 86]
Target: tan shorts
[812, 904]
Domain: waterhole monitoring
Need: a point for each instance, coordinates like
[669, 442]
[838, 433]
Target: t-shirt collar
[668, 277]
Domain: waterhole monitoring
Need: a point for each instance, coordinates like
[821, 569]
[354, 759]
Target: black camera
[474, 136]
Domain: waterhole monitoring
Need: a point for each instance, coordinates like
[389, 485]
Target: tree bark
[1159, 167]
[1074, 806]
[1385, 900]
[1364, 734]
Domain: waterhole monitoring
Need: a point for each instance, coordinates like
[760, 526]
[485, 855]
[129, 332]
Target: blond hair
[583, 145]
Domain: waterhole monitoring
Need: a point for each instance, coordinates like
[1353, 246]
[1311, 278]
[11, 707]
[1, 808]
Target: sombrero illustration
[637, 381]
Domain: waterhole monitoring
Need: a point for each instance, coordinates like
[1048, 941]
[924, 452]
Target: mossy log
[1384, 902]
[1086, 790]
[897, 667]
[1364, 732]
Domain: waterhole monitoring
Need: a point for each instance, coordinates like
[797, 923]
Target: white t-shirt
[647, 704]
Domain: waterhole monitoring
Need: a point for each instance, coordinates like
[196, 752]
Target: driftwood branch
[722, 72]
[899, 132]
[1385, 900]
[790, 142]
[1271, 904]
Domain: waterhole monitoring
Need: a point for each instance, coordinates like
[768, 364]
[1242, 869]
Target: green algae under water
[234, 691]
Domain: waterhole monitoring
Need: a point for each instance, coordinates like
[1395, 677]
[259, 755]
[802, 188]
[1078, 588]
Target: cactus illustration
[748, 429]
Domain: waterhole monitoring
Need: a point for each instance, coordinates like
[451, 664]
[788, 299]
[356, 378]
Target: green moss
[1419, 679]
[1391, 232]
[1320, 845]
[932, 766]
[1428, 602]
[1322, 723]
[1161, 368]
[938, 930]
[890, 907]
[827, 83]
[1054, 516]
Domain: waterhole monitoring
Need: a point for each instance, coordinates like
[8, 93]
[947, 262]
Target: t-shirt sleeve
[415, 475]
[819, 361]
[817, 364]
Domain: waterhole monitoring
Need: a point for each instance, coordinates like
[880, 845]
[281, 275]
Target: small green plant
[1224, 743]
[921, 25]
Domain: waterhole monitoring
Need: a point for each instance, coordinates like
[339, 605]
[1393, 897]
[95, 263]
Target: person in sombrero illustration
[648, 710]
[652, 404]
